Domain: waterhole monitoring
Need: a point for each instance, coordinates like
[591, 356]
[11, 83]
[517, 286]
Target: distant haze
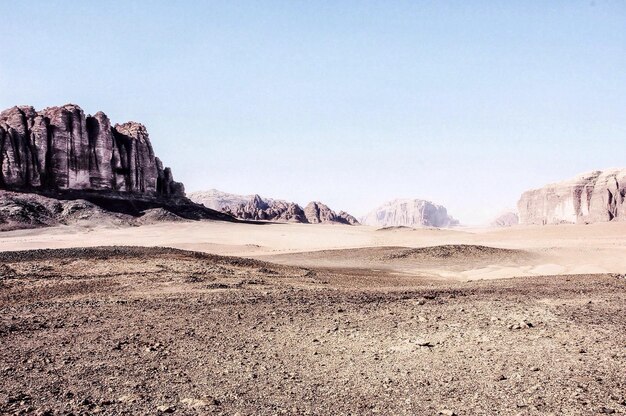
[466, 104]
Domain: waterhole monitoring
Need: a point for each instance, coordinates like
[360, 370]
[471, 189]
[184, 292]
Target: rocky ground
[145, 331]
[20, 211]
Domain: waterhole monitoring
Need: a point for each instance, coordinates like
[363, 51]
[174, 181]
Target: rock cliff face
[61, 148]
[409, 213]
[254, 207]
[60, 166]
[590, 197]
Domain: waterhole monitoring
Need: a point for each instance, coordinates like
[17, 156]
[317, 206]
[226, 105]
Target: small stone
[165, 409]
[447, 412]
[607, 410]
[501, 377]
[194, 403]
[127, 398]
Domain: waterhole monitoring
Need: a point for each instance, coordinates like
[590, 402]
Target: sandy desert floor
[316, 320]
[548, 250]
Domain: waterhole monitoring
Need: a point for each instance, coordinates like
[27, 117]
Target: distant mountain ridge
[255, 207]
[409, 213]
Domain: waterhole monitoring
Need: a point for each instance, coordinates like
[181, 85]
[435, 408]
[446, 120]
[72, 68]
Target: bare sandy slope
[562, 249]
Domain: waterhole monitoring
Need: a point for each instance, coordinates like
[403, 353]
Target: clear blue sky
[466, 103]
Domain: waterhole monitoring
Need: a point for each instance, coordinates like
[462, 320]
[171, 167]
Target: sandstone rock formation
[589, 197]
[254, 207]
[347, 218]
[267, 210]
[316, 213]
[60, 148]
[60, 159]
[409, 213]
[506, 219]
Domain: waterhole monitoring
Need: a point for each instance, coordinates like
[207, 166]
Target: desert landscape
[121, 295]
[313, 319]
[312, 208]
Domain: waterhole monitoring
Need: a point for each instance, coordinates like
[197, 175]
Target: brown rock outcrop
[254, 207]
[60, 159]
[317, 213]
[589, 197]
[347, 218]
[259, 209]
[61, 148]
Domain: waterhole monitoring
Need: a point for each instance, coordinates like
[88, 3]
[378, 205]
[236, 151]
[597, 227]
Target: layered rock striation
[596, 196]
[409, 213]
[61, 148]
[255, 207]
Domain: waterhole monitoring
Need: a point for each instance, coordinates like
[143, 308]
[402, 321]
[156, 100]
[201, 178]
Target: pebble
[194, 403]
[521, 325]
[128, 398]
[165, 409]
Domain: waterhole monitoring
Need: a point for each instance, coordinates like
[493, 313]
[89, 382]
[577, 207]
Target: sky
[352, 103]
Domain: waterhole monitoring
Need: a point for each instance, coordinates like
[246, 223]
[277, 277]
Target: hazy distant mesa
[589, 197]
[409, 213]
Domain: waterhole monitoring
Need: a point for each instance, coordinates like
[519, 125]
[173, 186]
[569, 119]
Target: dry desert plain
[313, 319]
